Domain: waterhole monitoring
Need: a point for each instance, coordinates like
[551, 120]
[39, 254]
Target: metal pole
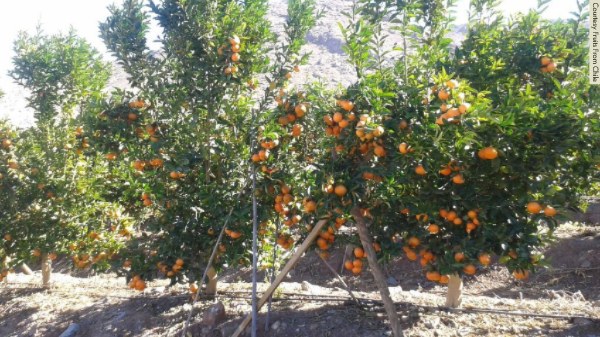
[272, 272]
[254, 239]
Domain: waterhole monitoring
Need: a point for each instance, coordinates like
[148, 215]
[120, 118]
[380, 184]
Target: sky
[85, 15]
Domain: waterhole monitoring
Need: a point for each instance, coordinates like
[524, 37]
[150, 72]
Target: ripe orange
[472, 214]
[414, 242]
[147, 202]
[338, 117]
[341, 190]
[349, 265]
[534, 207]
[140, 285]
[443, 95]
[433, 276]
[36, 252]
[111, 156]
[422, 217]
[7, 143]
[356, 270]
[550, 211]
[521, 274]
[420, 170]
[428, 256]
[300, 110]
[451, 216]
[551, 67]
[484, 259]
[444, 279]
[357, 263]
[7, 237]
[546, 61]
[458, 179]
[411, 255]
[379, 151]
[470, 269]
[452, 84]
[434, 229]
[310, 206]
[458, 257]
[488, 153]
[359, 252]
[235, 235]
[458, 221]
[179, 262]
[404, 149]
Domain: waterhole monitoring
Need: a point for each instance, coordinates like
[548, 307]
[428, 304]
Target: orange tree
[183, 140]
[58, 206]
[457, 157]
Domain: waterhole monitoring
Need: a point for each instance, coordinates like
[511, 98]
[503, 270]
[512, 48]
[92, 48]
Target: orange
[420, 170]
[434, 229]
[147, 202]
[411, 255]
[341, 190]
[546, 61]
[470, 269]
[458, 257]
[444, 279]
[140, 285]
[179, 262]
[349, 265]
[235, 57]
[357, 263]
[235, 235]
[424, 262]
[300, 110]
[422, 217]
[470, 226]
[451, 216]
[234, 40]
[111, 156]
[193, 288]
[403, 125]
[376, 246]
[551, 67]
[310, 206]
[356, 270]
[458, 221]
[513, 255]
[443, 213]
[378, 132]
[380, 151]
[534, 207]
[472, 214]
[428, 256]
[338, 117]
[550, 211]
[433, 276]
[521, 274]
[452, 84]
[489, 153]
[414, 242]
[403, 147]
[484, 259]
[443, 94]
[458, 179]
[36, 252]
[7, 143]
[359, 253]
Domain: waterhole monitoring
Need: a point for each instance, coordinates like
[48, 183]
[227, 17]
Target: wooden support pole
[26, 270]
[365, 238]
[454, 294]
[46, 269]
[211, 287]
[341, 280]
[291, 263]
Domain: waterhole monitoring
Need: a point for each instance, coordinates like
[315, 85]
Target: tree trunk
[46, 269]
[26, 270]
[454, 295]
[211, 287]
[365, 238]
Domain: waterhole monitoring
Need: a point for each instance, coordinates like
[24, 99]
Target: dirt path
[103, 306]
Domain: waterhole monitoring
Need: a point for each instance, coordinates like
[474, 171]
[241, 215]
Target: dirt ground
[103, 306]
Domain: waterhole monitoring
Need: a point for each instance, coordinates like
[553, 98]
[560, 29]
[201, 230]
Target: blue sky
[84, 15]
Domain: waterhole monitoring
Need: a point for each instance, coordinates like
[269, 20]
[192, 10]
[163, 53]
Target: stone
[275, 326]
[391, 281]
[305, 286]
[214, 315]
[432, 324]
[71, 331]
[586, 264]
[582, 321]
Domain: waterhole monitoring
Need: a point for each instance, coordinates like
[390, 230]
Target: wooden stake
[454, 294]
[26, 270]
[341, 280]
[46, 269]
[291, 263]
[211, 287]
[365, 238]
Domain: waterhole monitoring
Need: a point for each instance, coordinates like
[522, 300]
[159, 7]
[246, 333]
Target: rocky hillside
[327, 63]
